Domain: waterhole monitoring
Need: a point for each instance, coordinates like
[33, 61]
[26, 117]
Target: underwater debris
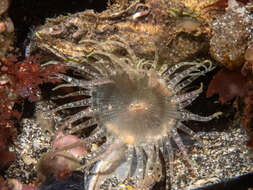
[134, 104]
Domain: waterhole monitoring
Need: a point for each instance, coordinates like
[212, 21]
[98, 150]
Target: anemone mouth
[132, 107]
[138, 106]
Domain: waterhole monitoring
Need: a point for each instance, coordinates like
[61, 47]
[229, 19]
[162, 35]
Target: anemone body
[137, 106]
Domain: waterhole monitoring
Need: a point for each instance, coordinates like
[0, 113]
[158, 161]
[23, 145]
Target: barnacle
[137, 105]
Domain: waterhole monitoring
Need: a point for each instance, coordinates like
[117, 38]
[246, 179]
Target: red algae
[223, 4]
[19, 80]
[228, 85]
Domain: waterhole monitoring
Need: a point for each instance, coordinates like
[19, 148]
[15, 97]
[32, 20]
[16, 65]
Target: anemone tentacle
[96, 155]
[79, 103]
[84, 69]
[170, 154]
[188, 131]
[186, 103]
[172, 83]
[84, 113]
[151, 151]
[177, 99]
[76, 93]
[181, 147]
[90, 122]
[179, 87]
[135, 104]
[183, 116]
[130, 159]
[141, 162]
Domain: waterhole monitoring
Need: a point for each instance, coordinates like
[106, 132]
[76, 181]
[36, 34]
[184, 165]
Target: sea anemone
[135, 104]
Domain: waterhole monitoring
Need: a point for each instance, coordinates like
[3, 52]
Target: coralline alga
[136, 105]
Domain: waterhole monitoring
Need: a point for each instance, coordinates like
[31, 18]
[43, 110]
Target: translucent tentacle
[131, 161]
[148, 64]
[68, 85]
[181, 146]
[76, 93]
[71, 80]
[151, 151]
[182, 75]
[127, 60]
[183, 97]
[187, 130]
[83, 68]
[94, 137]
[86, 124]
[155, 62]
[144, 65]
[154, 175]
[82, 83]
[115, 61]
[84, 113]
[145, 159]
[127, 48]
[79, 103]
[96, 155]
[190, 116]
[169, 153]
[103, 67]
[185, 83]
[187, 102]
[160, 144]
[141, 162]
[171, 70]
[192, 71]
[163, 69]
[97, 82]
[111, 163]
[118, 64]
